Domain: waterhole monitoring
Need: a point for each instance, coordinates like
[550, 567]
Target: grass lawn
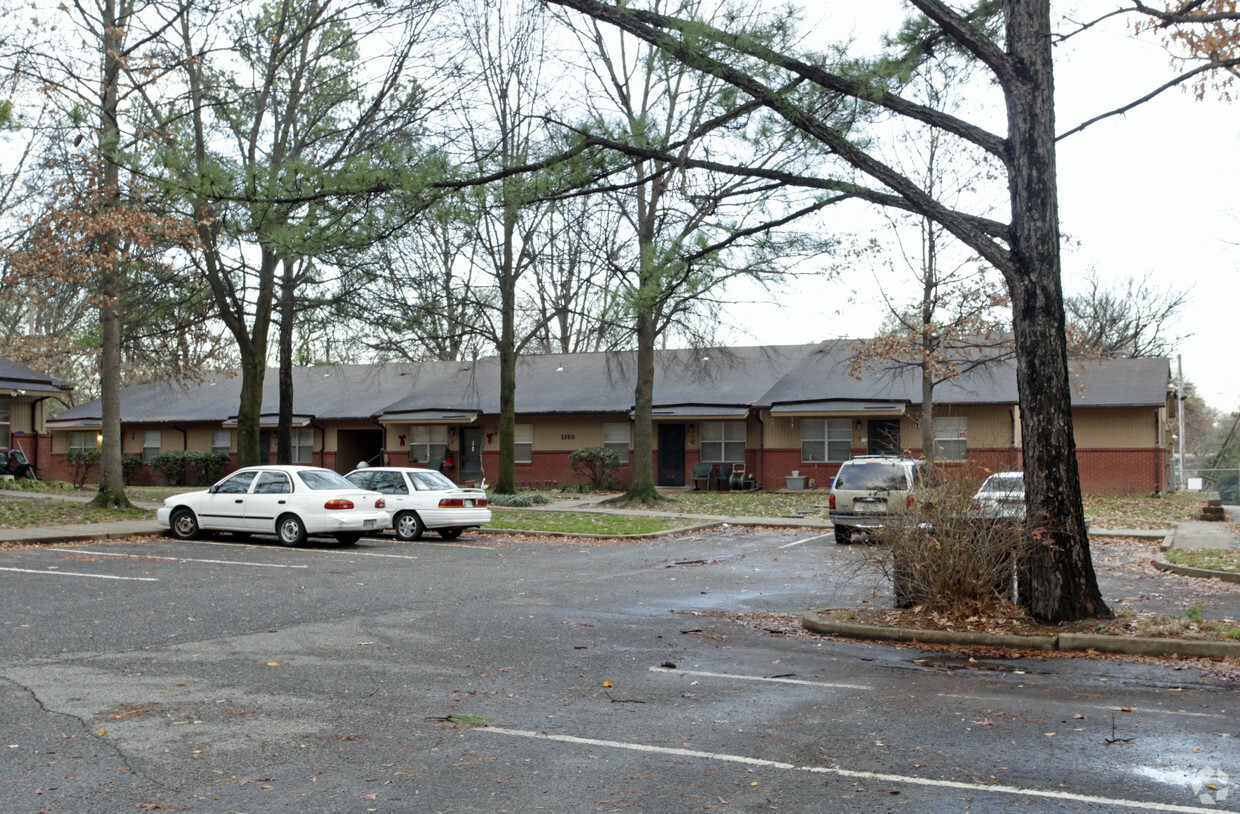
[15, 514]
[1142, 511]
[603, 525]
[1214, 559]
[750, 504]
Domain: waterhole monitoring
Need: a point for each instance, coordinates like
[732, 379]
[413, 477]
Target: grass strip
[601, 525]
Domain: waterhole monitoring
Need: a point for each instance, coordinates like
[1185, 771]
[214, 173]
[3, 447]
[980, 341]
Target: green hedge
[190, 468]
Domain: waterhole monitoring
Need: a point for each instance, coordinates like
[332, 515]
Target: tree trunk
[284, 424]
[506, 484]
[645, 298]
[111, 472]
[1057, 578]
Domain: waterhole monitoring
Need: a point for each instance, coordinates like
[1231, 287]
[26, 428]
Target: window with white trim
[221, 441]
[523, 443]
[83, 441]
[723, 441]
[951, 438]
[616, 436]
[302, 441]
[826, 439]
[428, 444]
[152, 443]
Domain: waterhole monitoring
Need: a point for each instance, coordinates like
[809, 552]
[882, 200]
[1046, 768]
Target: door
[471, 455]
[884, 436]
[224, 506]
[267, 500]
[671, 455]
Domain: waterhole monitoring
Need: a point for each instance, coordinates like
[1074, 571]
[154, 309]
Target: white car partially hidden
[420, 499]
[292, 502]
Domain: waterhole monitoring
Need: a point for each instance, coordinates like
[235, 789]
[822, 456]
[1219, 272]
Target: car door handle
[239, 500]
[281, 502]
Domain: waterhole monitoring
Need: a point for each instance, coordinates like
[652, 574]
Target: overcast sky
[1152, 191]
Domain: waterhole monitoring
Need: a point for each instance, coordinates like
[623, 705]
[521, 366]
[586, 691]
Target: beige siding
[1117, 428]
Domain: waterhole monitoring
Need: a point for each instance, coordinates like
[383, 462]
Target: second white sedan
[420, 499]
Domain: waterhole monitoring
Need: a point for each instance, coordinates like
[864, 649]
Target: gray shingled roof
[19, 377]
[713, 378]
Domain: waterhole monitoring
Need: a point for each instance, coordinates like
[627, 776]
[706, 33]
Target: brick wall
[1122, 471]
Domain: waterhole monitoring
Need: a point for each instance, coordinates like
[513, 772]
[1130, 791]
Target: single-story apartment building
[24, 397]
[775, 409]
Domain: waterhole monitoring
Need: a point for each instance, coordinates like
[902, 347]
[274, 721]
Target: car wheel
[183, 525]
[290, 531]
[348, 539]
[408, 526]
[450, 534]
[843, 535]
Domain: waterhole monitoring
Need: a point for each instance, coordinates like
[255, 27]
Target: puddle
[963, 663]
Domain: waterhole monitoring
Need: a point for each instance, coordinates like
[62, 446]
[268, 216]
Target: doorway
[471, 455]
[884, 436]
[671, 455]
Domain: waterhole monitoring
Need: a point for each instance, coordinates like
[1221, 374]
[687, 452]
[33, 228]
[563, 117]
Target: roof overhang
[430, 417]
[270, 421]
[17, 387]
[75, 424]
[881, 409]
[699, 412]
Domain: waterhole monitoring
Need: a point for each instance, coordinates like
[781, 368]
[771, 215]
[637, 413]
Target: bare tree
[1133, 319]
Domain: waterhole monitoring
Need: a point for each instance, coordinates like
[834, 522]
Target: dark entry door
[884, 436]
[471, 454]
[671, 455]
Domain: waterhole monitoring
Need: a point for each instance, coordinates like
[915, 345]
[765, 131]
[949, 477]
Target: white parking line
[806, 540]
[1103, 707]
[975, 788]
[178, 559]
[74, 574]
[778, 680]
[303, 550]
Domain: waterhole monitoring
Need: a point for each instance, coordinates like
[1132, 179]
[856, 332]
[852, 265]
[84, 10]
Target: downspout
[34, 428]
[323, 443]
[761, 449]
[184, 438]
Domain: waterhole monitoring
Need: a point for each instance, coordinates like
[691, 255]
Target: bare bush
[944, 556]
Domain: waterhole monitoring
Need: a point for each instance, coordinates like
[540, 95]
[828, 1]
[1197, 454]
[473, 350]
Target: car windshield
[883, 476]
[323, 479]
[1005, 483]
[426, 480]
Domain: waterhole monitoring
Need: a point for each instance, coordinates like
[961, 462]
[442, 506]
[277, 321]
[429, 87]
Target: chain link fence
[1224, 481]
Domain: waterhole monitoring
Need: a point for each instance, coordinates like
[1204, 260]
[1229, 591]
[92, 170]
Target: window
[826, 439]
[221, 441]
[723, 441]
[238, 484]
[273, 483]
[302, 441]
[523, 443]
[6, 422]
[151, 443]
[428, 444]
[82, 441]
[951, 436]
[616, 436]
[389, 483]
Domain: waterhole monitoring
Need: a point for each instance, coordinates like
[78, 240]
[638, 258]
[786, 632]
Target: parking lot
[495, 674]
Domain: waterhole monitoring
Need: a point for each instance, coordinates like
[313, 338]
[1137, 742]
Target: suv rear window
[882, 476]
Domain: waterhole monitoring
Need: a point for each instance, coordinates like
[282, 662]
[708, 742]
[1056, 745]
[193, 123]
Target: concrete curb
[1190, 571]
[571, 534]
[816, 622]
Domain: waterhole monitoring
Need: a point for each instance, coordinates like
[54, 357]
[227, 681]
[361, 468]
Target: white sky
[1152, 191]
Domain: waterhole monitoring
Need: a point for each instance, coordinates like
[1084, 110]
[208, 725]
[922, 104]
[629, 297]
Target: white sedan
[291, 502]
[420, 499]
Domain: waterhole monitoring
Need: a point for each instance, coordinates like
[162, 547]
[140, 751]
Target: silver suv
[871, 488]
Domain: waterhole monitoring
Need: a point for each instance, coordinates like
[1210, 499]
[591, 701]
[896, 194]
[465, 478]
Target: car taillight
[380, 503]
[451, 503]
[831, 502]
[909, 501]
[481, 502]
[338, 503]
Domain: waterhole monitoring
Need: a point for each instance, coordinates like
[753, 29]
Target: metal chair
[701, 474]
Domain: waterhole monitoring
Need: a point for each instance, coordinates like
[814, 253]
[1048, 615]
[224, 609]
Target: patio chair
[723, 477]
[701, 474]
[19, 466]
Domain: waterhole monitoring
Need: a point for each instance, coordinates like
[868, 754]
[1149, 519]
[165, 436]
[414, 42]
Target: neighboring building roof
[688, 382]
[26, 380]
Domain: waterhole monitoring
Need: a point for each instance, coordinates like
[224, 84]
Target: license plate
[368, 524]
[469, 504]
[870, 508]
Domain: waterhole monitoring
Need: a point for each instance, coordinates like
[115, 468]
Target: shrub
[190, 468]
[944, 558]
[129, 465]
[598, 465]
[83, 462]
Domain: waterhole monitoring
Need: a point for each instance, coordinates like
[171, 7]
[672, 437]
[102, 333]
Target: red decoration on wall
[401, 440]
